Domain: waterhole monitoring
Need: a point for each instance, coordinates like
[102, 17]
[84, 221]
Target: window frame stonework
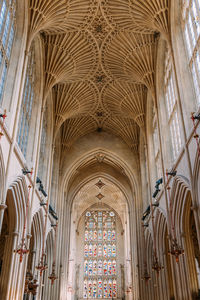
[7, 35]
[171, 101]
[100, 281]
[27, 104]
[191, 31]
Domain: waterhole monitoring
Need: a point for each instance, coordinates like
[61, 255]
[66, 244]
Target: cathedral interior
[99, 149]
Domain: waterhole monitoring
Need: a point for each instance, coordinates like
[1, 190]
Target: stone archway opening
[100, 256]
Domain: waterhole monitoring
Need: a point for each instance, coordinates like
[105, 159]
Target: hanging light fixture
[53, 276]
[3, 116]
[22, 248]
[196, 136]
[156, 266]
[175, 249]
[42, 266]
[31, 284]
[146, 277]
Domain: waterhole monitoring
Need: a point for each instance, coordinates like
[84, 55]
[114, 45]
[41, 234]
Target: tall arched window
[171, 103]
[43, 147]
[7, 31]
[156, 146]
[191, 29]
[27, 103]
[100, 254]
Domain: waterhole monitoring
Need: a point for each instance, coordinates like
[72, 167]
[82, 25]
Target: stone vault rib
[72, 99]
[69, 57]
[74, 128]
[125, 128]
[60, 15]
[131, 57]
[126, 99]
[144, 16]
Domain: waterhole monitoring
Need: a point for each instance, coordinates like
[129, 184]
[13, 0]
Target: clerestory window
[27, 103]
[7, 32]
[191, 29]
[172, 107]
[156, 146]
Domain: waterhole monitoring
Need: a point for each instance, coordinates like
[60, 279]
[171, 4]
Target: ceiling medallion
[100, 157]
[100, 196]
[99, 184]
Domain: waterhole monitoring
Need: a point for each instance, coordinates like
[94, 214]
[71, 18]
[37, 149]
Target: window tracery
[43, 145]
[100, 251]
[191, 29]
[172, 107]
[156, 146]
[27, 103]
[7, 32]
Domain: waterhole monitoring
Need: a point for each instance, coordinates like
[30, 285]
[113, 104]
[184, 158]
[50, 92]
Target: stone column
[2, 209]
[7, 282]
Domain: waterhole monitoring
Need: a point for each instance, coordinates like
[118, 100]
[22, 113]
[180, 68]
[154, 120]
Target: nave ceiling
[99, 63]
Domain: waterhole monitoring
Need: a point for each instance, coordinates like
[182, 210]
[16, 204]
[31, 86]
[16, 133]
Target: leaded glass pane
[100, 247]
[7, 32]
[27, 103]
[191, 30]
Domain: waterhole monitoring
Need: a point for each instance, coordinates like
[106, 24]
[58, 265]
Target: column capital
[15, 233]
[3, 206]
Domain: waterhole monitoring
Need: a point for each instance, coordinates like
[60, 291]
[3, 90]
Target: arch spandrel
[99, 146]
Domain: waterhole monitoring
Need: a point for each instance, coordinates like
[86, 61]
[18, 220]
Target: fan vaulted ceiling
[99, 62]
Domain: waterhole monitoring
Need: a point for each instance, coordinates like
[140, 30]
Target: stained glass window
[100, 250]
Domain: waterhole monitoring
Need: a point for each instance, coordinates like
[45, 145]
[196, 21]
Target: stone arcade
[99, 149]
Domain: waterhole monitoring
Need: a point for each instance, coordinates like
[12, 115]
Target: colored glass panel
[95, 235]
[105, 266]
[114, 250]
[109, 235]
[100, 250]
[86, 236]
[85, 289]
[114, 267]
[105, 289]
[94, 289]
[86, 250]
[109, 267]
[104, 235]
[105, 250]
[90, 268]
[90, 235]
[113, 235]
[95, 250]
[86, 267]
[94, 267]
[109, 250]
[100, 288]
[90, 289]
[100, 241]
[100, 235]
[110, 288]
[114, 289]
[100, 267]
[90, 250]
